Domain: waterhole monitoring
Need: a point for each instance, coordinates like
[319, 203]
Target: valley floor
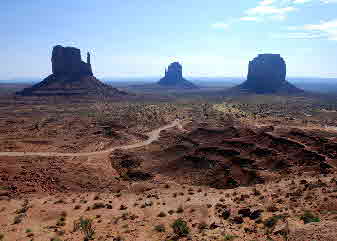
[246, 168]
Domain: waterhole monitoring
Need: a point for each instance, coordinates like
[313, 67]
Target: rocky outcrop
[174, 78]
[67, 61]
[267, 74]
[71, 76]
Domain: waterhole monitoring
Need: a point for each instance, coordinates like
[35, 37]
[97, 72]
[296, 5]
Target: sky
[133, 38]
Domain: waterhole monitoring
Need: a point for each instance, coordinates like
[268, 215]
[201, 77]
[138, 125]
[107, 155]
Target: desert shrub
[123, 207]
[18, 219]
[2, 236]
[159, 228]
[134, 115]
[180, 209]
[272, 208]
[308, 217]
[180, 228]
[272, 221]
[202, 226]
[229, 237]
[61, 201]
[55, 239]
[232, 182]
[61, 222]
[98, 205]
[22, 210]
[162, 214]
[86, 227]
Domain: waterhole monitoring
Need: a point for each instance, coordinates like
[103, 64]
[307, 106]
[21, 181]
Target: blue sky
[140, 38]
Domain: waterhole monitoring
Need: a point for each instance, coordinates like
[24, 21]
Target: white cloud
[329, 1]
[248, 18]
[307, 1]
[267, 2]
[324, 29]
[269, 9]
[220, 26]
[297, 35]
[277, 10]
[301, 1]
[329, 28]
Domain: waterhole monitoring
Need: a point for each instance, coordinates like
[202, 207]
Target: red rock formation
[267, 74]
[174, 78]
[71, 76]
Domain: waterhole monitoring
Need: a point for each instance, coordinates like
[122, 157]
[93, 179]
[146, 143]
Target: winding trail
[153, 136]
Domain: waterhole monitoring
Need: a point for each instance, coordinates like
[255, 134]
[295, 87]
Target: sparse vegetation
[180, 228]
[180, 209]
[162, 214]
[272, 221]
[18, 219]
[55, 239]
[60, 201]
[98, 205]
[229, 237]
[86, 227]
[240, 134]
[308, 217]
[160, 228]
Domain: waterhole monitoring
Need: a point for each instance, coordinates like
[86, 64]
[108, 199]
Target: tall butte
[174, 78]
[267, 75]
[71, 76]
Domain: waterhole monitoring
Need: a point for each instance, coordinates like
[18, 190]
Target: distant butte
[174, 78]
[267, 75]
[71, 76]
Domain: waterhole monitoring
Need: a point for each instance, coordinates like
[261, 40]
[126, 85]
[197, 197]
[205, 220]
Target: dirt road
[153, 136]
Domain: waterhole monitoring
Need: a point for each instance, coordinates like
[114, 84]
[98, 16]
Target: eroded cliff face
[267, 74]
[174, 77]
[68, 61]
[267, 70]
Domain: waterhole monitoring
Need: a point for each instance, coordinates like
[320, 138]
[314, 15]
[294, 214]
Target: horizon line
[152, 76]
